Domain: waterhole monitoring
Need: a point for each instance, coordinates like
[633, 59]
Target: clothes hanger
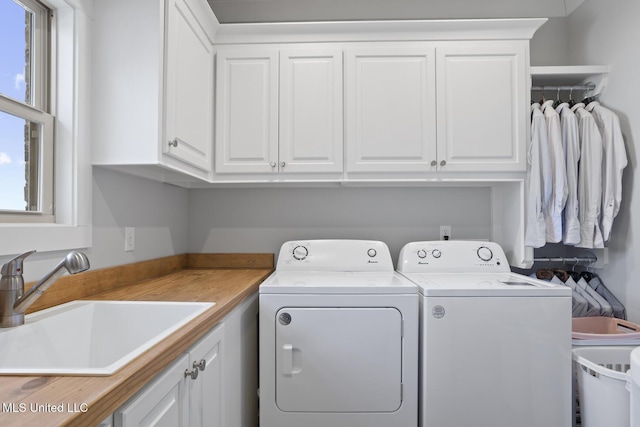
[571, 101]
[588, 98]
[557, 101]
[543, 100]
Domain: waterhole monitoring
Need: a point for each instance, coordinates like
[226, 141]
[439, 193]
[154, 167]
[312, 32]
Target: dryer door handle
[287, 360]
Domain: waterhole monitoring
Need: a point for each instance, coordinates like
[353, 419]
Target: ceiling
[260, 11]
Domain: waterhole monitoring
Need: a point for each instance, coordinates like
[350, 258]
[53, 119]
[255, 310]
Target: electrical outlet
[445, 232]
[129, 239]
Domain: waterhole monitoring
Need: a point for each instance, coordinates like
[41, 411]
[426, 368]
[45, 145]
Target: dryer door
[338, 359]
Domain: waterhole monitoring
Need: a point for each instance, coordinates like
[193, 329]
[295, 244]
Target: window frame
[70, 103]
[38, 111]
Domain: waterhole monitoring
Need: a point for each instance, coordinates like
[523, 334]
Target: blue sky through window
[12, 84]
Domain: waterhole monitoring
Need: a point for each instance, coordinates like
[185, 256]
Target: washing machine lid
[485, 285]
[336, 282]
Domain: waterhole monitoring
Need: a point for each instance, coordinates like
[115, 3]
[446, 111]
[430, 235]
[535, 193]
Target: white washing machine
[495, 346]
[338, 338]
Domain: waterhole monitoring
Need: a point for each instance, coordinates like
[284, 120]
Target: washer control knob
[372, 253]
[422, 253]
[436, 253]
[300, 252]
[485, 254]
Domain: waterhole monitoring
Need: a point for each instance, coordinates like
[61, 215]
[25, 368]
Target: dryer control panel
[334, 255]
[445, 256]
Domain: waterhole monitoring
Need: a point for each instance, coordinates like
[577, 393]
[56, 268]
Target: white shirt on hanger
[553, 214]
[571, 145]
[615, 160]
[538, 180]
[589, 179]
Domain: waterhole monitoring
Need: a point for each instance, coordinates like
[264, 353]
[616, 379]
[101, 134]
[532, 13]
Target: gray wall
[261, 219]
[157, 211]
[606, 33]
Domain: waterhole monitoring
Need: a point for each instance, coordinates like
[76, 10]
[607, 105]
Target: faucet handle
[14, 267]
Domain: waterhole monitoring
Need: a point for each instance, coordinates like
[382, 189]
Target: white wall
[601, 32]
[157, 211]
[607, 32]
[261, 219]
[550, 44]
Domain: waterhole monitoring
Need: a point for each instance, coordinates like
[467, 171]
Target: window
[26, 122]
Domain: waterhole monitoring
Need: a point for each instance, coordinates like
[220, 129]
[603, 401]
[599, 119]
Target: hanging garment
[605, 307]
[571, 145]
[553, 215]
[619, 310]
[538, 180]
[579, 305]
[615, 160]
[589, 179]
[593, 307]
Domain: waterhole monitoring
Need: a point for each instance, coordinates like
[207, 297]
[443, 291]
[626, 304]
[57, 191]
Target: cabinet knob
[433, 163]
[283, 164]
[443, 162]
[193, 373]
[273, 164]
[200, 365]
[173, 142]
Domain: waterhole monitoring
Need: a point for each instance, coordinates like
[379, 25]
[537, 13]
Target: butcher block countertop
[226, 279]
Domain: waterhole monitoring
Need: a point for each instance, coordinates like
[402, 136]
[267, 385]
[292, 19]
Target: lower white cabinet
[213, 384]
[186, 394]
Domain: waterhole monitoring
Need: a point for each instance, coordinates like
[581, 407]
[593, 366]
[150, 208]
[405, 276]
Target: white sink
[90, 337]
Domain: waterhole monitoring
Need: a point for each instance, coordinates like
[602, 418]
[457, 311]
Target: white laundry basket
[602, 385]
[633, 377]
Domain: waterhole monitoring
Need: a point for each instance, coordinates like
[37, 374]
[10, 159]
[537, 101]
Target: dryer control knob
[484, 253]
[300, 252]
[422, 254]
[372, 253]
[436, 253]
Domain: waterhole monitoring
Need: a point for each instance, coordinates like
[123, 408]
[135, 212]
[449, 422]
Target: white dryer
[495, 346]
[338, 338]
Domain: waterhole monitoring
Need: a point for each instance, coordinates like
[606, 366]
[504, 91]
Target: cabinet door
[205, 391]
[482, 102]
[247, 111]
[390, 109]
[310, 111]
[163, 403]
[189, 83]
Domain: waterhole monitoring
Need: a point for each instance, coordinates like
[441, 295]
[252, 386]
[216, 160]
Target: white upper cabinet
[153, 86]
[439, 107]
[390, 108]
[246, 111]
[189, 91]
[278, 111]
[482, 106]
[310, 111]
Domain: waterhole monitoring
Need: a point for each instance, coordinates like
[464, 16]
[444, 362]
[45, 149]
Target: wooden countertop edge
[104, 394]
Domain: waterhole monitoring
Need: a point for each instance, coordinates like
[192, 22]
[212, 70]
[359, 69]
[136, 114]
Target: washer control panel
[442, 256]
[334, 255]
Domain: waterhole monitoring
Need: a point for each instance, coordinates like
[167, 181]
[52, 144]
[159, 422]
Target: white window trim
[71, 81]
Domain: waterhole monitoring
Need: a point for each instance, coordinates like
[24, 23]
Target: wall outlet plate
[445, 232]
[129, 239]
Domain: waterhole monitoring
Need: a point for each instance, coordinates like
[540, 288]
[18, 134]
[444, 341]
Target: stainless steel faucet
[14, 302]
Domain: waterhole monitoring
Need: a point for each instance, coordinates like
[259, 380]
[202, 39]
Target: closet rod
[588, 86]
[568, 260]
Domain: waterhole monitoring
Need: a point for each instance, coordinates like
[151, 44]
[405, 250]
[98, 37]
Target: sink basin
[90, 337]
